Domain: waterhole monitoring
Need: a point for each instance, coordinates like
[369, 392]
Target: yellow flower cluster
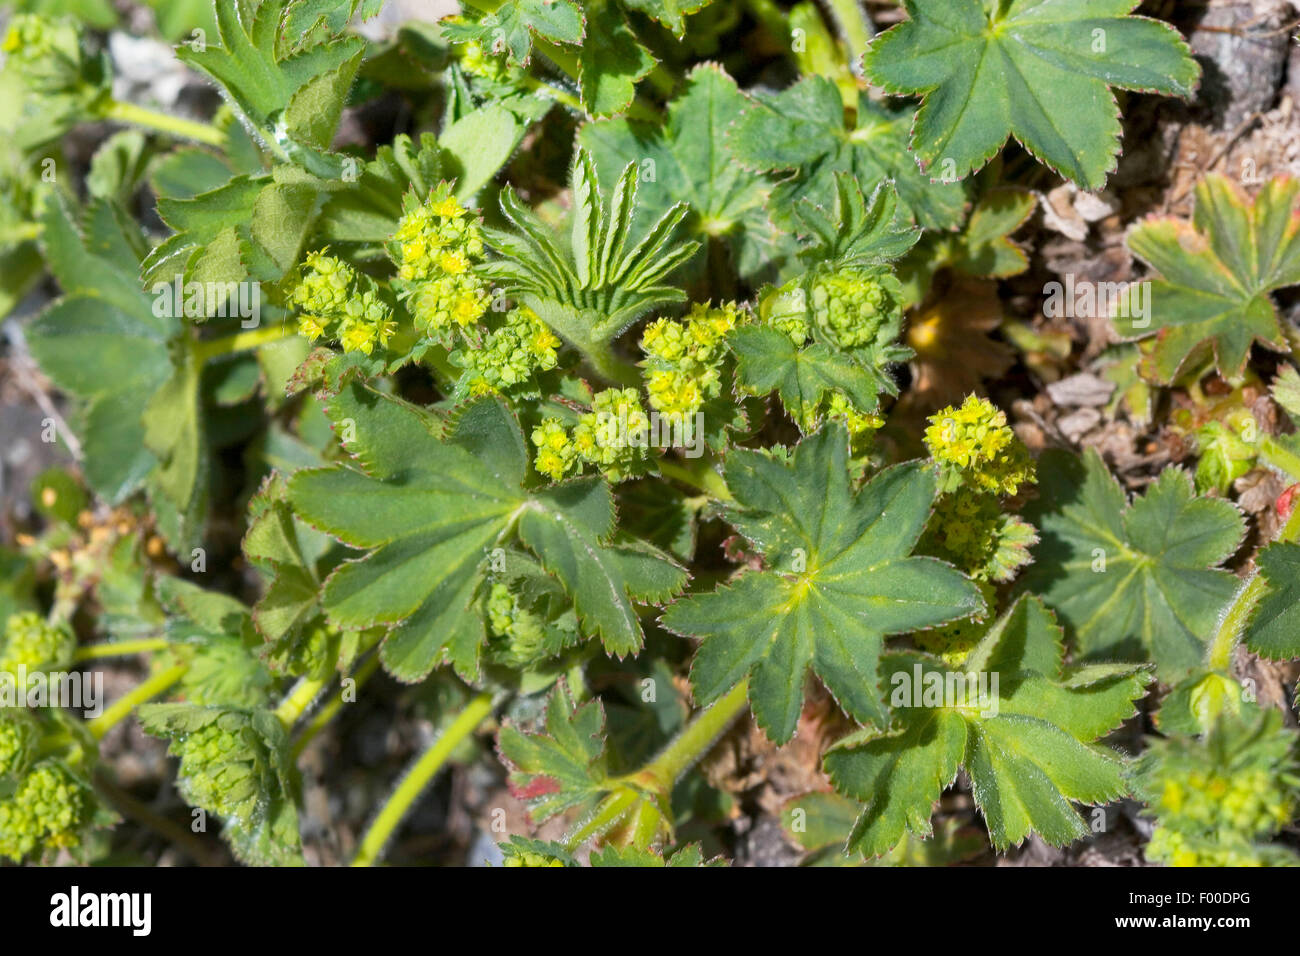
[510, 355]
[975, 446]
[46, 812]
[337, 302]
[438, 245]
[613, 436]
[684, 359]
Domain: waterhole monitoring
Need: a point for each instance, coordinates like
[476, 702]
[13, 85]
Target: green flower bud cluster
[972, 532]
[47, 811]
[1225, 454]
[854, 307]
[31, 642]
[518, 635]
[975, 447]
[1221, 796]
[438, 245]
[786, 310]
[613, 436]
[337, 302]
[219, 771]
[684, 359]
[47, 57]
[511, 355]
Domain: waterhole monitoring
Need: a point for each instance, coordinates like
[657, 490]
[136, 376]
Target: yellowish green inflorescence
[613, 436]
[980, 460]
[336, 302]
[46, 812]
[510, 356]
[32, 643]
[1218, 799]
[438, 246]
[684, 359]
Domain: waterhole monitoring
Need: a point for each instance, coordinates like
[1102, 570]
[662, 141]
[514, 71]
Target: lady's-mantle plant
[573, 410]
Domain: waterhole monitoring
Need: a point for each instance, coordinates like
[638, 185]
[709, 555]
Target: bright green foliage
[288, 616]
[1026, 742]
[1218, 799]
[1038, 70]
[1217, 274]
[563, 767]
[336, 302]
[803, 128]
[35, 644]
[683, 162]
[521, 851]
[1225, 455]
[1274, 629]
[234, 763]
[593, 289]
[1131, 579]
[50, 78]
[838, 579]
[515, 24]
[290, 86]
[428, 510]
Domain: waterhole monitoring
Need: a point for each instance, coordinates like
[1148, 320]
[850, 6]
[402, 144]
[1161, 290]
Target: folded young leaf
[1134, 580]
[839, 578]
[1216, 276]
[515, 24]
[432, 510]
[1021, 727]
[685, 161]
[291, 87]
[1038, 70]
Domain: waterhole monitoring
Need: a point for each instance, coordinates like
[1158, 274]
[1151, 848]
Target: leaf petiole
[163, 123]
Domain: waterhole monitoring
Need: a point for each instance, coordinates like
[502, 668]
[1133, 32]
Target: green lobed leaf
[430, 511]
[839, 578]
[1026, 741]
[514, 26]
[803, 128]
[1132, 579]
[685, 160]
[564, 767]
[1274, 628]
[1216, 276]
[1038, 70]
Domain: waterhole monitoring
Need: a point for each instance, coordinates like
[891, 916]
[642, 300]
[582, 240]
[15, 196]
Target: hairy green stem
[1234, 621]
[327, 713]
[163, 122]
[92, 652]
[855, 26]
[206, 350]
[1280, 458]
[699, 473]
[299, 698]
[142, 692]
[694, 741]
[608, 812]
[421, 772]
